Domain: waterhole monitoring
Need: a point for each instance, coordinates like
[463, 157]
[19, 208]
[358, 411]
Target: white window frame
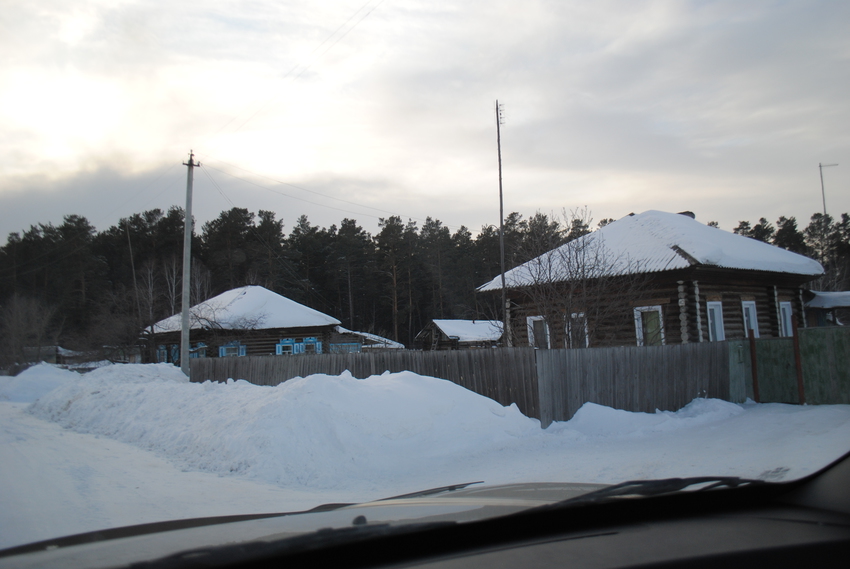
[529, 322]
[714, 310]
[786, 313]
[751, 315]
[577, 319]
[638, 313]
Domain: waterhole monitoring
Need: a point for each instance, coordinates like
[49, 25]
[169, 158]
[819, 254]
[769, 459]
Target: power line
[295, 278]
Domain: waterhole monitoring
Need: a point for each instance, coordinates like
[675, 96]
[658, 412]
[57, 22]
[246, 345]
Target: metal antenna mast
[187, 269]
[822, 192]
[506, 330]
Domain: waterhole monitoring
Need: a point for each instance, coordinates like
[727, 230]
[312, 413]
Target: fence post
[798, 363]
[754, 364]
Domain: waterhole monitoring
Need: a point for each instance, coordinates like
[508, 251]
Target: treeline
[91, 289]
[83, 289]
[825, 239]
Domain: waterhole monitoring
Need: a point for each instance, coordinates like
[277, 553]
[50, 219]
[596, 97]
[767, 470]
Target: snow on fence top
[655, 241]
[248, 308]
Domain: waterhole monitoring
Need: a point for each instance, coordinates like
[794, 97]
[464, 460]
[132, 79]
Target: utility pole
[822, 192]
[506, 330]
[187, 269]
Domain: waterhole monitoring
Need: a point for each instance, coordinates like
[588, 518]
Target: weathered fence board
[631, 378]
[507, 375]
[826, 364]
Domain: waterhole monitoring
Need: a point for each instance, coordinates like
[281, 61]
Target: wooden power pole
[506, 330]
[187, 269]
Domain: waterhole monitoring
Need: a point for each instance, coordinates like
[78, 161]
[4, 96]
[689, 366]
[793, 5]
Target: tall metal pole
[822, 192]
[506, 330]
[187, 269]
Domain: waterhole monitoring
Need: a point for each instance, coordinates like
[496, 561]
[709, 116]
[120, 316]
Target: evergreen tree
[788, 236]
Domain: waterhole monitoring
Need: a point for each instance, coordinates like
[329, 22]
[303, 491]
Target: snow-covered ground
[134, 444]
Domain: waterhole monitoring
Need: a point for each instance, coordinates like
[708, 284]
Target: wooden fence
[551, 385]
[632, 378]
[506, 375]
[824, 359]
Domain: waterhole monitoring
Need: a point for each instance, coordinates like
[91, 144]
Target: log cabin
[655, 278]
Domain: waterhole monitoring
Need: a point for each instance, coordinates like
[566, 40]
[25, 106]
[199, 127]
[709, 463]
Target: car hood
[134, 544]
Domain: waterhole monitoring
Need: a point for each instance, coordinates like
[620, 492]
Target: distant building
[253, 320]
[655, 278]
[822, 307]
[459, 334]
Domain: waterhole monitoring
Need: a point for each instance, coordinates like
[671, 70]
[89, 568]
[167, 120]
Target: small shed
[459, 334]
[822, 307]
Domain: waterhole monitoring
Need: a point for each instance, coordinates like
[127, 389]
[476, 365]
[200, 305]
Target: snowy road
[55, 482]
[136, 444]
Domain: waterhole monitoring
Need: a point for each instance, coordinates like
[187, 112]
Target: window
[649, 326]
[286, 347]
[232, 349]
[785, 314]
[538, 332]
[312, 346]
[161, 354]
[293, 346]
[577, 330]
[346, 348]
[716, 333]
[751, 321]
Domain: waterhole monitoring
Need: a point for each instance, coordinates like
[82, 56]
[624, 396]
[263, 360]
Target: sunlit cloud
[621, 106]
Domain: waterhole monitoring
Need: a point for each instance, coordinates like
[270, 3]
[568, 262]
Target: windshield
[627, 268]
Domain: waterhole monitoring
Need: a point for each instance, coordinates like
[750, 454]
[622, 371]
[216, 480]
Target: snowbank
[34, 382]
[240, 448]
[403, 432]
[320, 431]
[594, 420]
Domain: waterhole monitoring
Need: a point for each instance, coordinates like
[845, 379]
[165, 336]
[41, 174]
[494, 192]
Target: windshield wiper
[431, 491]
[646, 488]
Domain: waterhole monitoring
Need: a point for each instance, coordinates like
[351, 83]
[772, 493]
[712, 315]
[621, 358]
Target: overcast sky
[364, 109]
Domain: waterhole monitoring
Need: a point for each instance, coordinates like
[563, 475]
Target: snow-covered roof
[829, 300]
[656, 241]
[248, 308]
[377, 341]
[471, 330]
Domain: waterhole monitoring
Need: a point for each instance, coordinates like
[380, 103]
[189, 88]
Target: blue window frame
[294, 346]
[198, 351]
[232, 349]
[312, 346]
[286, 347]
[346, 348]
